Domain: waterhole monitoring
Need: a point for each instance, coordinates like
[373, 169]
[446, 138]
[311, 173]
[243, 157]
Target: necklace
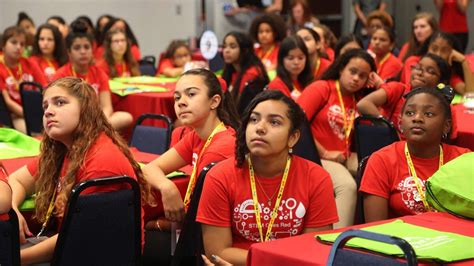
[270, 199]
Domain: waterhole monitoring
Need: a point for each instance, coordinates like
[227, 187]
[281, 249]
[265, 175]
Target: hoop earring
[290, 150]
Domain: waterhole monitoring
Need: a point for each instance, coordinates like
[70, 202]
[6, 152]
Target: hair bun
[22, 15]
[447, 91]
[78, 26]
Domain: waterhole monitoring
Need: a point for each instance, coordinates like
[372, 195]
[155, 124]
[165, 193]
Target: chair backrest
[147, 65]
[372, 133]
[359, 214]
[5, 116]
[190, 246]
[152, 139]
[10, 240]
[340, 256]
[101, 228]
[251, 89]
[32, 103]
[305, 147]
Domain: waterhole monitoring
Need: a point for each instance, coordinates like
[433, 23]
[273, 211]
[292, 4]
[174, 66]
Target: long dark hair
[414, 47]
[128, 30]
[345, 39]
[59, 52]
[226, 110]
[288, 44]
[78, 30]
[247, 59]
[99, 33]
[295, 115]
[333, 72]
[127, 57]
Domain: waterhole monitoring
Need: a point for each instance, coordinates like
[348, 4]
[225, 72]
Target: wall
[154, 22]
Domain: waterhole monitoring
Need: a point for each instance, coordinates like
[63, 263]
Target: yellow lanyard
[256, 205]
[384, 59]
[264, 55]
[411, 168]
[192, 180]
[48, 213]
[20, 71]
[347, 122]
[316, 69]
[75, 74]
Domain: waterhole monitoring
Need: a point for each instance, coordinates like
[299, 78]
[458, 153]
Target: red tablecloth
[306, 250]
[465, 126]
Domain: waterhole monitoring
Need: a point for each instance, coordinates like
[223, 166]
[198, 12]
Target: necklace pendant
[269, 202]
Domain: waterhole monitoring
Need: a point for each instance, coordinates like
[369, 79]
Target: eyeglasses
[420, 69]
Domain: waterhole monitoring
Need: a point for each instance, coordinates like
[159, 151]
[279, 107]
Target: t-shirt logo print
[336, 120]
[410, 196]
[289, 220]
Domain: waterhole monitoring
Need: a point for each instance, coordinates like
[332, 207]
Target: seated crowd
[259, 190]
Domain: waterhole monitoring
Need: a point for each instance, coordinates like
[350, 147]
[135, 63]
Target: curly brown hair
[92, 123]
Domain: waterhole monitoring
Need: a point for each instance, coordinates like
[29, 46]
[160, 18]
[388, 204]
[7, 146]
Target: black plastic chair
[147, 65]
[5, 116]
[101, 228]
[10, 240]
[372, 133]
[359, 214]
[340, 256]
[152, 139]
[250, 90]
[305, 147]
[32, 103]
[190, 245]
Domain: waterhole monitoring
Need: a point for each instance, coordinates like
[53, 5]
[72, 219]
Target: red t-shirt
[103, 159]
[330, 52]
[320, 102]
[387, 175]
[451, 19]
[307, 201]
[123, 69]
[278, 84]
[48, 67]
[412, 61]
[164, 64]
[390, 68]
[222, 147]
[25, 71]
[323, 66]
[99, 52]
[403, 51]
[178, 133]
[95, 77]
[250, 74]
[269, 58]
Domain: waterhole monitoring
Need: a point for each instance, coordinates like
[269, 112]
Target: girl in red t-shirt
[381, 44]
[241, 63]
[423, 25]
[177, 55]
[264, 193]
[14, 69]
[395, 176]
[313, 42]
[119, 23]
[201, 105]
[80, 142]
[294, 70]
[328, 39]
[118, 60]
[79, 48]
[49, 52]
[388, 100]
[268, 31]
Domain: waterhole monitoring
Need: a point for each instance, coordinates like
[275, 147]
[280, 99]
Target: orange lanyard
[348, 123]
[264, 55]
[383, 61]
[411, 169]
[75, 74]
[256, 205]
[19, 73]
[316, 69]
[192, 180]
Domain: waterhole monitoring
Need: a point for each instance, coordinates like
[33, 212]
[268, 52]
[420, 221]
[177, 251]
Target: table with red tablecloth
[465, 127]
[306, 250]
